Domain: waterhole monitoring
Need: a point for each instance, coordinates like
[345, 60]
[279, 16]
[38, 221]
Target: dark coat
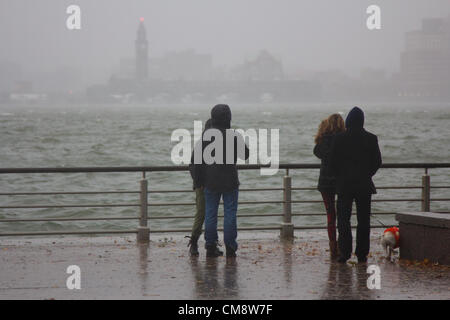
[197, 171]
[355, 157]
[223, 177]
[327, 181]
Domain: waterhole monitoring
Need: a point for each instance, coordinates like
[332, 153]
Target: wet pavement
[266, 268]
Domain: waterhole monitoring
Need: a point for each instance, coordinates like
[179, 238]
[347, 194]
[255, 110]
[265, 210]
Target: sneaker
[362, 259]
[231, 253]
[342, 260]
[213, 251]
[219, 245]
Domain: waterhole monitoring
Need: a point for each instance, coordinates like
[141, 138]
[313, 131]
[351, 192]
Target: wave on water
[141, 137]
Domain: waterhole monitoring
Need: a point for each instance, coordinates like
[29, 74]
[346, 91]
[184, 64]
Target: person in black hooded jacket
[221, 181]
[328, 128]
[354, 159]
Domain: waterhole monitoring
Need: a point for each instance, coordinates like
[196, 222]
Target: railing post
[287, 228]
[143, 232]
[426, 192]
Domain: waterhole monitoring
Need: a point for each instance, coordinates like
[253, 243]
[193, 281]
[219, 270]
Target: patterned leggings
[330, 206]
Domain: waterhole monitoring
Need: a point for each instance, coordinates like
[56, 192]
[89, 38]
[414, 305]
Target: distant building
[127, 68]
[23, 93]
[141, 49]
[264, 68]
[183, 65]
[24, 87]
[188, 76]
[425, 62]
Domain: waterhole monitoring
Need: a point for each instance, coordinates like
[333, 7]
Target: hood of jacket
[208, 124]
[355, 119]
[221, 116]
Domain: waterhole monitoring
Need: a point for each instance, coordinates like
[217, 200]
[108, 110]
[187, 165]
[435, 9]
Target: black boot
[334, 252]
[231, 253]
[193, 246]
[362, 259]
[213, 251]
[342, 259]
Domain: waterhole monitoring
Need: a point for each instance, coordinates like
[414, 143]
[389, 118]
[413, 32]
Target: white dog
[390, 240]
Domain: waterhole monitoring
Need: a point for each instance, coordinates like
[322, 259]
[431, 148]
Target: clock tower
[141, 52]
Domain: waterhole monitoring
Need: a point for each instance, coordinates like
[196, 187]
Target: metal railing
[286, 227]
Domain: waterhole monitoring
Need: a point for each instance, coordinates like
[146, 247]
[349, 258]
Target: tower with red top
[141, 52]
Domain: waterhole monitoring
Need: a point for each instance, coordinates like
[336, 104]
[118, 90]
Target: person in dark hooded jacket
[221, 181]
[198, 177]
[354, 159]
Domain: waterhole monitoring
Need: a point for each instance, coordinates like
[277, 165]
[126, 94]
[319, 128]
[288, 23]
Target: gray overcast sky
[313, 34]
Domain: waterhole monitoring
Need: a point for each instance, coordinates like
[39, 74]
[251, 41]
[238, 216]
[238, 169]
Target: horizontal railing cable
[287, 202]
[185, 168]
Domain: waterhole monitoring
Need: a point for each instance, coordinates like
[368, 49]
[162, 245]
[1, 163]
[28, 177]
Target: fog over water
[304, 35]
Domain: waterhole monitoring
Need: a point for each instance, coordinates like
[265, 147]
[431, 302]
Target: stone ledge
[424, 235]
[429, 219]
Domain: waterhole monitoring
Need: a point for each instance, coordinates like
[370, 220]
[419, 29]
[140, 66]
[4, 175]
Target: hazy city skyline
[312, 35]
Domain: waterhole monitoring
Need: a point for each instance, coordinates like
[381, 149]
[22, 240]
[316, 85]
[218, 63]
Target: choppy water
[37, 136]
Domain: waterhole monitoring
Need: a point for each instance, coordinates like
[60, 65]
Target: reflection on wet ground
[266, 268]
[212, 280]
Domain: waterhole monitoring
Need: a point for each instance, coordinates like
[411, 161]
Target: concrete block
[424, 235]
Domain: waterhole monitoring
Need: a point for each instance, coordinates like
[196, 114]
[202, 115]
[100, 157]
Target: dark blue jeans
[230, 203]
